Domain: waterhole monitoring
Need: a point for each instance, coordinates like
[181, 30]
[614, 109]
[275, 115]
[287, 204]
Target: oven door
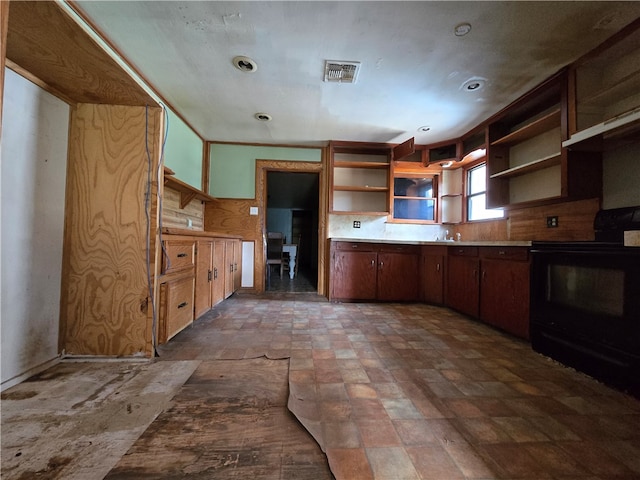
[585, 310]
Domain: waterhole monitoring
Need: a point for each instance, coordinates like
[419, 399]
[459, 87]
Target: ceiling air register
[340, 71]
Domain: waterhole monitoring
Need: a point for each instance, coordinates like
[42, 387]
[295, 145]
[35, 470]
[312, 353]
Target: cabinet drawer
[505, 253]
[359, 246]
[463, 251]
[434, 250]
[176, 298]
[389, 248]
[178, 255]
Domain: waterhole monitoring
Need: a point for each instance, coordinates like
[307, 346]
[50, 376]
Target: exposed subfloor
[386, 391]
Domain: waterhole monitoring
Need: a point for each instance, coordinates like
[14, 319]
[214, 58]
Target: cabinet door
[237, 264]
[218, 272]
[204, 276]
[504, 295]
[353, 275]
[463, 289]
[229, 260]
[397, 277]
[433, 279]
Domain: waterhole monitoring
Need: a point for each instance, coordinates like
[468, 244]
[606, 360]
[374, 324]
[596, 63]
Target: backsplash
[375, 227]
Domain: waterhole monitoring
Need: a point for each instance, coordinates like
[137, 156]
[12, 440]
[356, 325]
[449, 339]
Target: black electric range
[585, 301]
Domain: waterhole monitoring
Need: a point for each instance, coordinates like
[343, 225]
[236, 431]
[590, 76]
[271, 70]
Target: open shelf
[354, 188]
[187, 192]
[624, 87]
[350, 212]
[343, 164]
[529, 167]
[536, 127]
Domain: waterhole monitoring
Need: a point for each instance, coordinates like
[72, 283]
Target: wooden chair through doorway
[275, 241]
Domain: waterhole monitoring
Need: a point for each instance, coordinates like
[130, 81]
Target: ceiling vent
[341, 72]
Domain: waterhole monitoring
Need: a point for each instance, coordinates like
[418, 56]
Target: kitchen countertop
[462, 243]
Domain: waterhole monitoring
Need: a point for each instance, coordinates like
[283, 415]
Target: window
[477, 195]
[414, 198]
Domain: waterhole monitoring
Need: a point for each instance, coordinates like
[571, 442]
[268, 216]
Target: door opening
[292, 209]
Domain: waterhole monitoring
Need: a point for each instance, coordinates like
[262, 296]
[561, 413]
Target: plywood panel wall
[105, 292]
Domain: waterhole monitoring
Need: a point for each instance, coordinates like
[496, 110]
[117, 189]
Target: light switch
[253, 210]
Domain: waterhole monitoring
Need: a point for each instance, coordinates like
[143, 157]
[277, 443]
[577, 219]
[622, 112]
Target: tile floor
[408, 391]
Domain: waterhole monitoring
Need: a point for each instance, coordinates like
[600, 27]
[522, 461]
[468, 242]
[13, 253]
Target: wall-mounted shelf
[529, 167]
[187, 192]
[354, 188]
[342, 164]
[531, 130]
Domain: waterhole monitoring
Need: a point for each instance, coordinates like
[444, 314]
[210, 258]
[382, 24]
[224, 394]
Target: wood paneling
[232, 216]
[104, 301]
[575, 221]
[487, 230]
[175, 217]
[45, 41]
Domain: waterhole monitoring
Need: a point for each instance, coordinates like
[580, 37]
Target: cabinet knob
[381, 265]
[182, 255]
[501, 252]
[437, 267]
[209, 275]
[183, 304]
[215, 273]
[354, 245]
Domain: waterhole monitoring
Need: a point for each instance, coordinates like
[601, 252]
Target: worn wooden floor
[229, 421]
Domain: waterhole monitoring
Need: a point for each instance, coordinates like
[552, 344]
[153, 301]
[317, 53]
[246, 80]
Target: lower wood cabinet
[362, 271]
[210, 274]
[432, 268]
[504, 289]
[492, 284]
[233, 261]
[463, 292]
[176, 306]
[199, 270]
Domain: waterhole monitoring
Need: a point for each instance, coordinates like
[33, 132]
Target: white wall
[621, 177]
[33, 170]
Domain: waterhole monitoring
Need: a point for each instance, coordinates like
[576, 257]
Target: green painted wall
[183, 151]
[233, 167]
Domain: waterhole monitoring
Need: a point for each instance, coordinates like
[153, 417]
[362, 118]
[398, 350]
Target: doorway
[292, 202]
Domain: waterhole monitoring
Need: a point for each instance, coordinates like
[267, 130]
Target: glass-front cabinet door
[414, 197]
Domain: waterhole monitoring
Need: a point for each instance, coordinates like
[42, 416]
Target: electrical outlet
[356, 224]
[552, 222]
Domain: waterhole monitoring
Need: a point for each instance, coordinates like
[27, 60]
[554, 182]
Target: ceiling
[412, 72]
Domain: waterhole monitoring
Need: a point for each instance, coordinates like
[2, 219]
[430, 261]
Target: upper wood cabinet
[359, 178]
[604, 94]
[526, 161]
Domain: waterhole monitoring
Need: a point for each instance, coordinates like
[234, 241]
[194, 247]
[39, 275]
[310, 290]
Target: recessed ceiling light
[474, 84]
[245, 64]
[263, 117]
[424, 129]
[462, 29]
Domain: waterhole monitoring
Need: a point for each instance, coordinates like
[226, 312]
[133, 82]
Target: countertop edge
[469, 243]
